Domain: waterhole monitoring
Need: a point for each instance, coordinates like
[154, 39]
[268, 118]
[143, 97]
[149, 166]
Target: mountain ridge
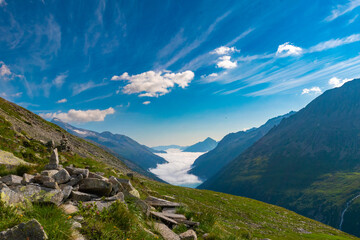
[207, 145]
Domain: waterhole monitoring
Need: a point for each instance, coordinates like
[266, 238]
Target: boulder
[96, 175]
[165, 232]
[11, 180]
[75, 180]
[49, 173]
[188, 235]
[77, 171]
[61, 176]
[54, 161]
[66, 189]
[163, 218]
[51, 184]
[119, 196]
[9, 196]
[158, 202]
[126, 184]
[80, 196]
[25, 231]
[41, 194]
[95, 186]
[27, 178]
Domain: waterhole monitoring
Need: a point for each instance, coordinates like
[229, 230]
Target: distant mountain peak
[207, 145]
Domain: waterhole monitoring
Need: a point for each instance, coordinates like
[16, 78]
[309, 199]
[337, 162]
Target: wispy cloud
[80, 116]
[60, 80]
[2, 3]
[333, 43]
[340, 10]
[241, 36]
[81, 87]
[154, 84]
[288, 49]
[146, 102]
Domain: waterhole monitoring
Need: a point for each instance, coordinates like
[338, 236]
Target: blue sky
[174, 72]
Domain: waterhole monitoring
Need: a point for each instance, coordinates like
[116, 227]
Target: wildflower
[69, 217]
[21, 215]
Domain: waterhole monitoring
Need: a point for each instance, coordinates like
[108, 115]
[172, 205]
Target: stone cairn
[66, 187]
[64, 144]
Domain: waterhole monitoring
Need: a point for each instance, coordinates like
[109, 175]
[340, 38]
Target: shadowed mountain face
[119, 144]
[208, 164]
[207, 145]
[309, 163]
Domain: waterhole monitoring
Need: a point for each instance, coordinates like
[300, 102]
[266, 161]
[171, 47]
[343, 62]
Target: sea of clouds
[176, 170]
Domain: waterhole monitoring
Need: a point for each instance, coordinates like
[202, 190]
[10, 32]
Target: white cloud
[288, 49]
[2, 3]
[60, 80]
[154, 84]
[146, 102]
[73, 115]
[342, 9]
[315, 90]
[353, 19]
[337, 82]
[4, 70]
[64, 100]
[333, 43]
[176, 170]
[225, 62]
[223, 50]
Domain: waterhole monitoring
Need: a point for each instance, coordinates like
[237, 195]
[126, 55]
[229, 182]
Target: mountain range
[204, 146]
[134, 154]
[308, 163]
[208, 164]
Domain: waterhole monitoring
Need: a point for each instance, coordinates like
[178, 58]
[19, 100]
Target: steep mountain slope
[117, 143]
[207, 145]
[309, 163]
[26, 135]
[208, 164]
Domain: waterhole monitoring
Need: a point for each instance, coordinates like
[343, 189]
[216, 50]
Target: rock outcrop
[25, 231]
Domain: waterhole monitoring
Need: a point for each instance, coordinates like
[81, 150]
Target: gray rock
[158, 202]
[52, 184]
[75, 180]
[75, 225]
[163, 218]
[126, 184]
[54, 161]
[188, 235]
[11, 180]
[9, 196]
[69, 208]
[66, 189]
[27, 178]
[40, 194]
[119, 196]
[116, 185]
[49, 173]
[95, 186]
[77, 171]
[25, 231]
[80, 196]
[62, 176]
[96, 175]
[165, 232]
[78, 218]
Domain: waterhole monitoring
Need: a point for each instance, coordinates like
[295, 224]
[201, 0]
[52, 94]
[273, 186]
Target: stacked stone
[64, 144]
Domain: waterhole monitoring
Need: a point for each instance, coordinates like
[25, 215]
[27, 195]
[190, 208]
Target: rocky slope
[208, 164]
[308, 163]
[207, 145]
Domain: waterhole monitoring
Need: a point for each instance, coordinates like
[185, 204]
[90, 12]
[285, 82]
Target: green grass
[53, 220]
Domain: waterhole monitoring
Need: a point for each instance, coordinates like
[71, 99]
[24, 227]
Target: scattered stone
[52, 185]
[169, 210]
[165, 232]
[75, 225]
[40, 194]
[75, 235]
[61, 176]
[66, 191]
[11, 180]
[78, 218]
[100, 205]
[205, 236]
[54, 161]
[27, 178]
[80, 196]
[119, 196]
[188, 235]
[158, 202]
[174, 216]
[163, 218]
[188, 223]
[100, 173]
[170, 198]
[116, 185]
[145, 208]
[75, 180]
[69, 208]
[303, 231]
[25, 231]
[77, 171]
[95, 186]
